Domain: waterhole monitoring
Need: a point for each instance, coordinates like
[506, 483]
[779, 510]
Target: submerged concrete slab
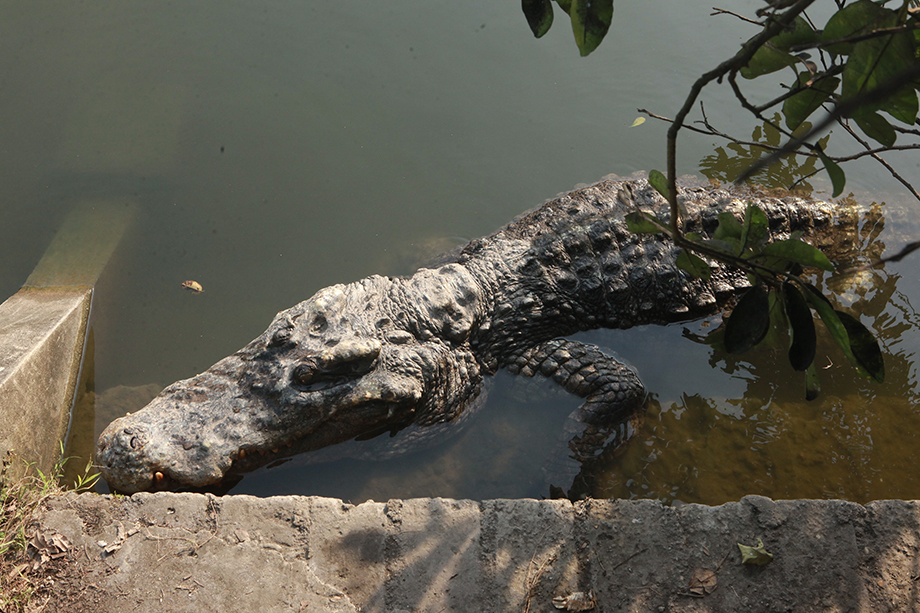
[41, 346]
[192, 552]
[43, 333]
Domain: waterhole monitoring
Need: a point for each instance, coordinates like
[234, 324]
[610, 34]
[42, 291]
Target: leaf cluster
[590, 19]
[867, 63]
[779, 298]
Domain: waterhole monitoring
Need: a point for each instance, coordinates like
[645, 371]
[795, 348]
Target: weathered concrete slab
[41, 335]
[190, 552]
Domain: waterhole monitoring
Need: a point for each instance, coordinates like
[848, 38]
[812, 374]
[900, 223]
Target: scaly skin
[380, 354]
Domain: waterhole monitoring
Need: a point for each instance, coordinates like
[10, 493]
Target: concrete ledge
[191, 552]
[42, 331]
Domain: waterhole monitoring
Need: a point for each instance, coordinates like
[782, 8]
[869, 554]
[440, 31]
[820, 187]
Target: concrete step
[192, 552]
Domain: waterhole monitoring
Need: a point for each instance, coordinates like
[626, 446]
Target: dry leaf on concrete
[576, 601]
[703, 582]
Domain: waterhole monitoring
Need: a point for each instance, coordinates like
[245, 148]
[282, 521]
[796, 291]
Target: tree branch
[878, 158]
[776, 25]
[841, 110]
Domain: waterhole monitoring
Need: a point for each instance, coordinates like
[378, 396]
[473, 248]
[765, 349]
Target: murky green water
[277, 148]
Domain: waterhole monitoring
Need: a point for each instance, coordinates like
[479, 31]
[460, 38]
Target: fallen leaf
[576, 601]
[757, 556]
[45, 547]
[194, 286]
[703, 582]
[638, 122]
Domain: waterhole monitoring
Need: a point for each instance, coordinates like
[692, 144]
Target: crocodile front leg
[613, 395]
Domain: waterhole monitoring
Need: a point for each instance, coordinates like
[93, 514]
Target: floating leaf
[864, 347]
[640, 222]
[693, 264]
[749, 321]
[638, 122]
[590, 21]
[539, 14]
[758, 556]
[838, 179]
[800, 252]
[193, 286]
[659, 182]
[801, 329]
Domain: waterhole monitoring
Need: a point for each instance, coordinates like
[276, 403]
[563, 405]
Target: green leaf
[729, 227]
[767, 59]
[877, 128]
[832, 322]
[565, 5]
[812, 383]
[902, 105]
[799, 33]
[804, 341]
[539, 14]
[590, 21]
[659, 182]
[800, 252]
[857, 18]
[757, 555]
[797, 108]
[640, 222]
[864, 347]
[749, 321]
[838, 179]
[879, 60]
[694, 265]
[756, 227]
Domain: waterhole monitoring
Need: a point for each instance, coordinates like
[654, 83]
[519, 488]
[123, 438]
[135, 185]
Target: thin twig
[719, 11]
[878, 158]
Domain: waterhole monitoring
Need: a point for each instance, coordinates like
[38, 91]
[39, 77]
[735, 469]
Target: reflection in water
[856, 441]
[789, 172]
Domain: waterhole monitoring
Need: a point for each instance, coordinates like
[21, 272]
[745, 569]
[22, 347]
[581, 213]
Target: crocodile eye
[303, 374]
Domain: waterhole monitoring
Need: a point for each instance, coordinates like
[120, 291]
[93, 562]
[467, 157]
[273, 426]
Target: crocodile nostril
[135, 442]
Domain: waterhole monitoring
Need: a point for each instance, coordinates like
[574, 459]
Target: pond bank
[192, 552]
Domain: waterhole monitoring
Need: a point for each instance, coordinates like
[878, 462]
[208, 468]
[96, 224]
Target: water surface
[277, 148]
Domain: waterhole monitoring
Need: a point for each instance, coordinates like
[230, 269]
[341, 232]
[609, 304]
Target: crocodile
[375, 356]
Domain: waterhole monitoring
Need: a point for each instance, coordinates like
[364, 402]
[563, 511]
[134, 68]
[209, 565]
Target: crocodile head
[335, 367]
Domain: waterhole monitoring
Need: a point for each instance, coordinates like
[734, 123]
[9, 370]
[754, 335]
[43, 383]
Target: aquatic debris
[576, 601]
[194, 286]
